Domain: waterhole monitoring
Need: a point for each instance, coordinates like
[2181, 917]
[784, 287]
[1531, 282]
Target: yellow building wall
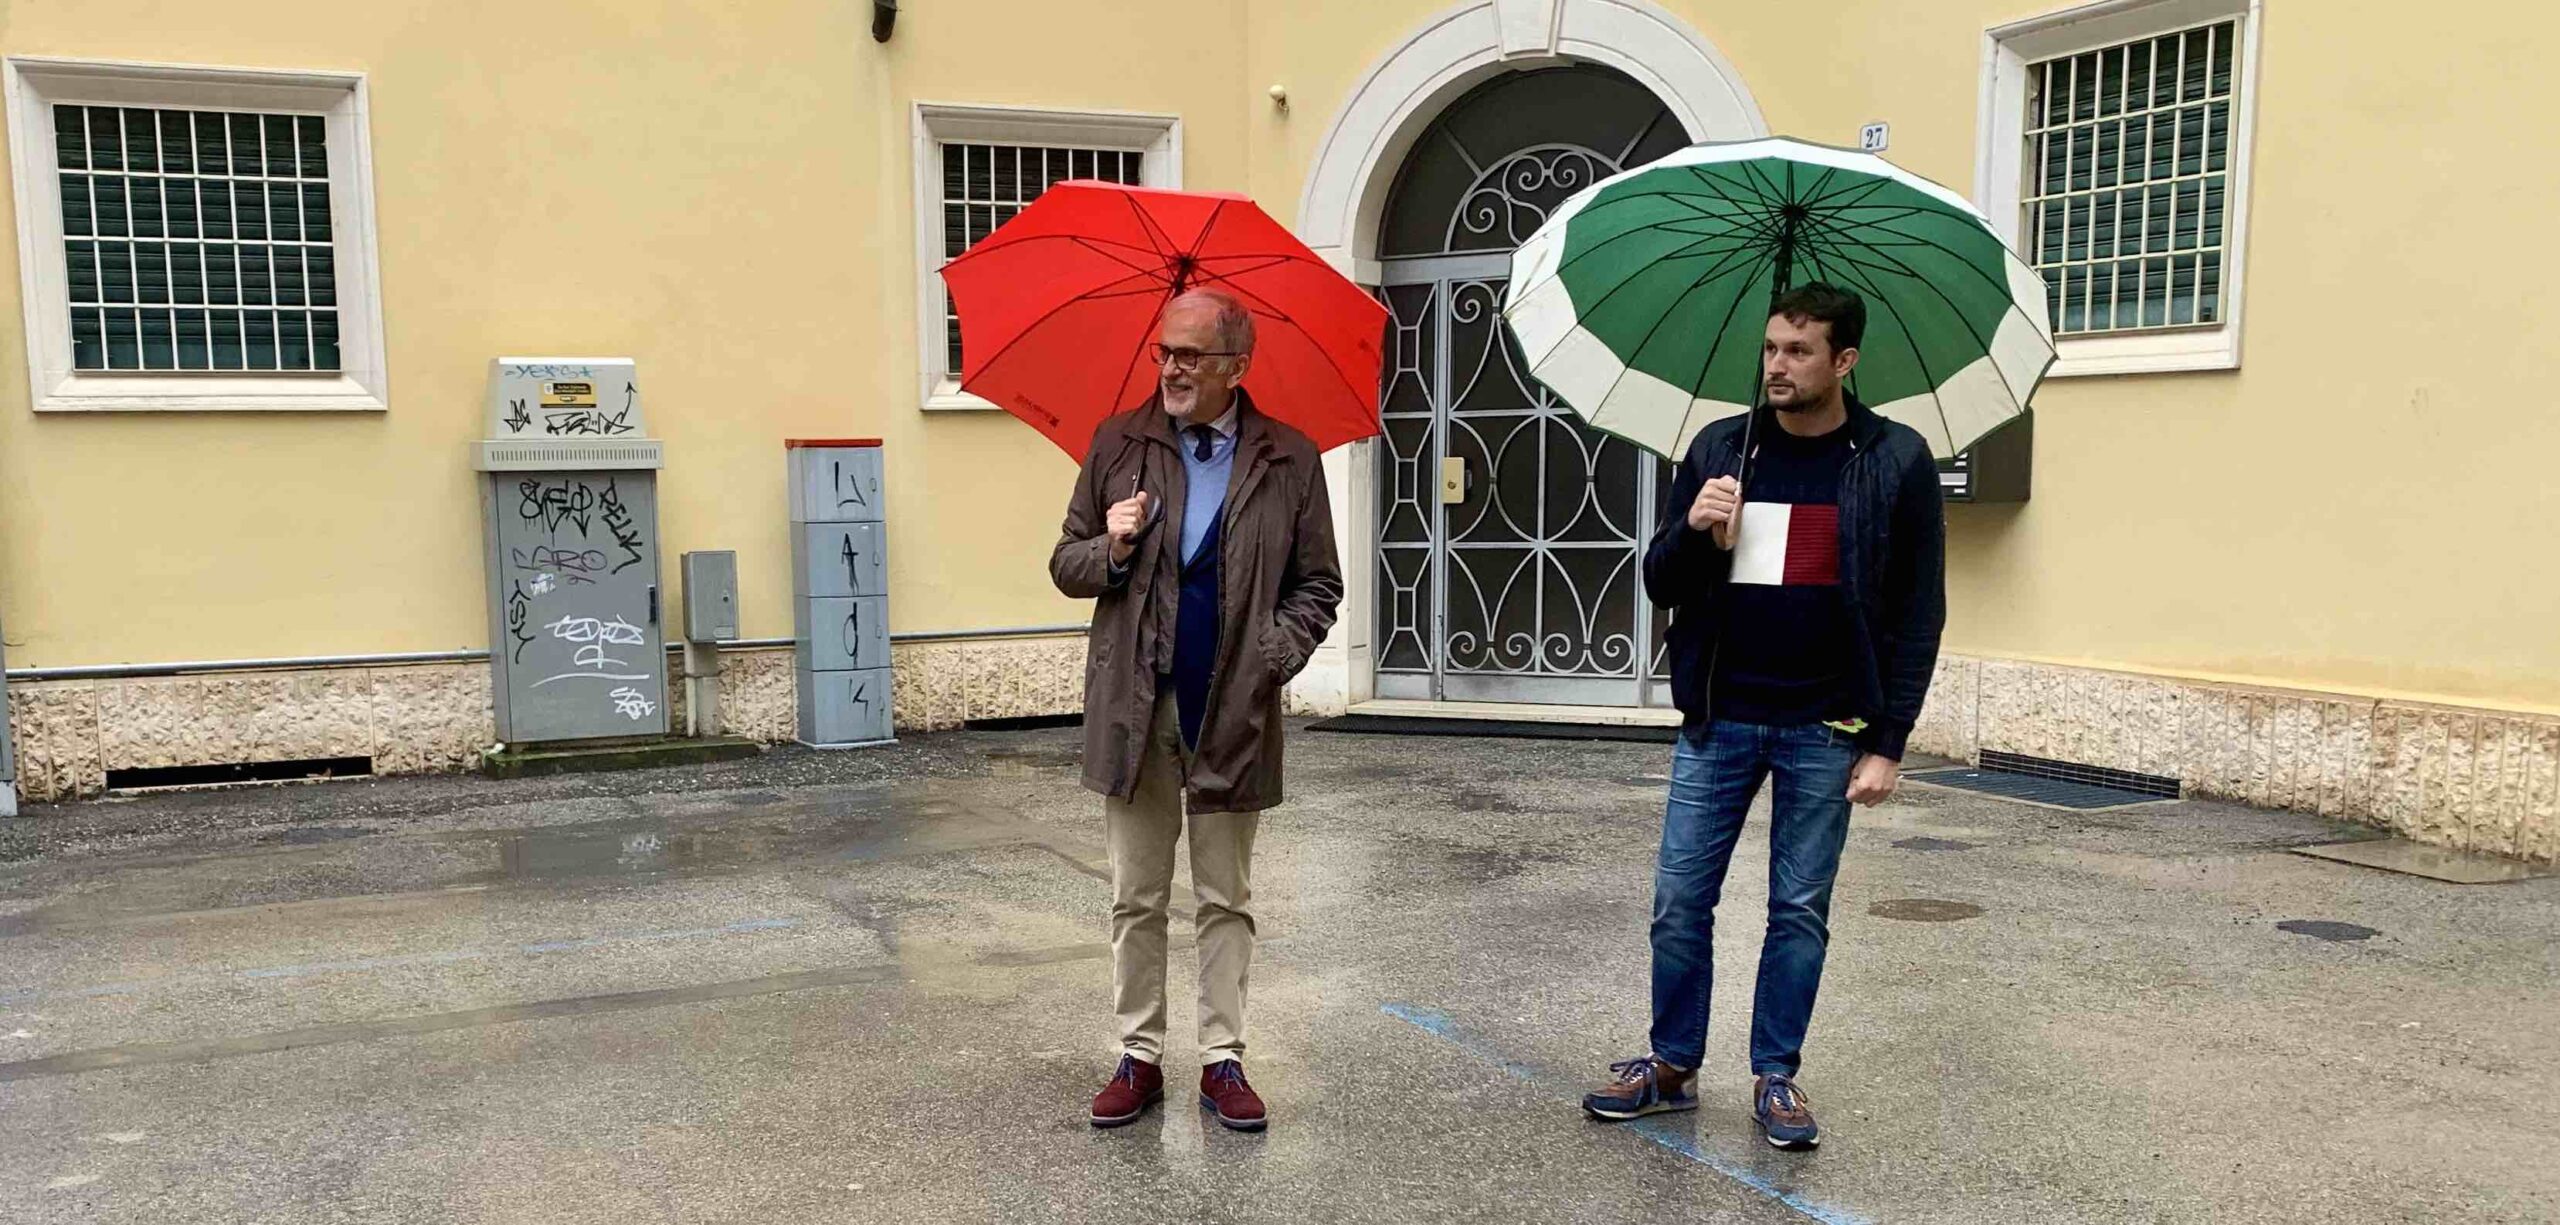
[2367, 505]
[2363, 507]
[722, 192]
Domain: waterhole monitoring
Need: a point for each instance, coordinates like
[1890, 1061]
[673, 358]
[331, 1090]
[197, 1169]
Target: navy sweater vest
[1195, 632]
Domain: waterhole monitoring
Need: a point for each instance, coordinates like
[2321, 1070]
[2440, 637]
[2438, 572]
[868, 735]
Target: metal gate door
[1511, 535]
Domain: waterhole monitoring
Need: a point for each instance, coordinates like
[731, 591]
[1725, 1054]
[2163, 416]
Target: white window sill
[143, 393]
[947, 397]
[2154, 353]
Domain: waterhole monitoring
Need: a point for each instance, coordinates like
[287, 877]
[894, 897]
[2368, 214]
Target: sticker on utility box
[568, 395]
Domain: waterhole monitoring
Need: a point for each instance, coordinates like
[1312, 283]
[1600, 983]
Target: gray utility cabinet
[840, 592]
[1999, 468]
[569, 514]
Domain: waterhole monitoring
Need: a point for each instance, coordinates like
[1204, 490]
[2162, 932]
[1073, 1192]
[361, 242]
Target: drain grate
[2034, 790]
[2156, 786]
[144, 778]
[1509, 729]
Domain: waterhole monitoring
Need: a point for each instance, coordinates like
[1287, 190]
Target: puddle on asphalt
[1934, 844]
[1037, 759]
[321, 862]
[807, 830]
[2328, 929]
[1924, 910]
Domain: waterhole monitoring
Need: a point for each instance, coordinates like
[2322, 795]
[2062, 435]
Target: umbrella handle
[1155, 511]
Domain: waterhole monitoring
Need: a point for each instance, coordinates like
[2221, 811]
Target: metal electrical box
[2000, 468]
[711, 596]
[569, 507]
[839, 592]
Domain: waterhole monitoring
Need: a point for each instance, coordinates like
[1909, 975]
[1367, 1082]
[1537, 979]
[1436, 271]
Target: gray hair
[1235, 323]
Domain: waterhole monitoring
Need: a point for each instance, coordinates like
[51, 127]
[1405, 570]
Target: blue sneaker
[1642, 1087]
[1784, 1112]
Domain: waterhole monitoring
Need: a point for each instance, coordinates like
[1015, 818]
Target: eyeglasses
[1181, 359]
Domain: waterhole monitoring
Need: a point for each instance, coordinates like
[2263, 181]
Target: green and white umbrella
[1643, 299]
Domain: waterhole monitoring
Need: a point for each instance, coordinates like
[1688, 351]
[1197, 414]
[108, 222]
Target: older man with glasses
[1202, 530]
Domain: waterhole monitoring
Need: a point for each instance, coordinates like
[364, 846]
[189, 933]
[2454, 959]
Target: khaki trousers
[1142, 831]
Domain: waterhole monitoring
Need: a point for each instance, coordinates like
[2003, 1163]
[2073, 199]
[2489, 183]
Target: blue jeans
[1713, 779]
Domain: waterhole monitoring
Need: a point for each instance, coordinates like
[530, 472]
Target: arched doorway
[1509, 536]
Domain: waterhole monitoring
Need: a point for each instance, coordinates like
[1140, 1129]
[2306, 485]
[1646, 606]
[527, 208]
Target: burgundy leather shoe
[1222, 1088]
[1137, 1085]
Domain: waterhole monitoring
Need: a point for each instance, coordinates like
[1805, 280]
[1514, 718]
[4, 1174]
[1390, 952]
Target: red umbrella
[1058, 308]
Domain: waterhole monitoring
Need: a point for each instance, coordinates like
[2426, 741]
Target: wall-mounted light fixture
[884, 18]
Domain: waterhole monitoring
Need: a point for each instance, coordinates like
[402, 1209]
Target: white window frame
[1157, 138]
[2000, 170]
[35, 84]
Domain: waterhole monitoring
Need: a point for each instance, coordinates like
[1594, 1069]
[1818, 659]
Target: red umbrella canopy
[1058, 310]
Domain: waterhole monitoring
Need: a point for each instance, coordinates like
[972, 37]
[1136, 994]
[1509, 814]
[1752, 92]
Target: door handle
[653, 603]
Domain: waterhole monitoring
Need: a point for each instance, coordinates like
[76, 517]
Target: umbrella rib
[1273, 312]
[1157, 236]
[1869, 184]
[1621, 236]
[1815, 195]
[1744, 245]
[1140, 269]
[1102, 293]
[1164, 247]
[1742, 181]
[1697, 386]
[1266, 262]
[1961, 258]
[1659, 323]
[1754, 228]
[986, 249]
[1276, 257]
[1106, 295]
[1025, 333]
[1592, 211]
[1715, 273]
[1191, 254]
[1918, 356]
[1708, 188]
[1970, 329]
[1931, 205]
[1814, 256]
[1775, 194]
[1842, 215]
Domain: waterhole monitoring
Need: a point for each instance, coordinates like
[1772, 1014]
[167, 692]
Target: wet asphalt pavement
[872, 987]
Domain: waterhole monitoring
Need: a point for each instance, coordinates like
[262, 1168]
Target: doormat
[1499, 729]
[2431, 862]
[2034, 789]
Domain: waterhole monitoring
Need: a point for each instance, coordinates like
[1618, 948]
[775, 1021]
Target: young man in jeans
[1805, 618]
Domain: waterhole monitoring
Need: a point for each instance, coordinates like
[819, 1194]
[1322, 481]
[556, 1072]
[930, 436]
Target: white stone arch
[1356, 164]
[1400, 94]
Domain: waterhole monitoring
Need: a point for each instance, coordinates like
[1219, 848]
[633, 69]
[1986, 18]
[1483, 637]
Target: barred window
[197, 240]
[984, 185]
[2129, 164]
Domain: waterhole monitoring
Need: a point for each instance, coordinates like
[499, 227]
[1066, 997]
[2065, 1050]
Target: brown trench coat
[1279, 592]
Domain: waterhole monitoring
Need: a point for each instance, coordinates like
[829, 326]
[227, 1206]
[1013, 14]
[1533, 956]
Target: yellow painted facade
[723, 192]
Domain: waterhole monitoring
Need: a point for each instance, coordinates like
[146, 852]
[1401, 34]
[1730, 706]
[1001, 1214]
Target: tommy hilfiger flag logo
[1785, 544]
